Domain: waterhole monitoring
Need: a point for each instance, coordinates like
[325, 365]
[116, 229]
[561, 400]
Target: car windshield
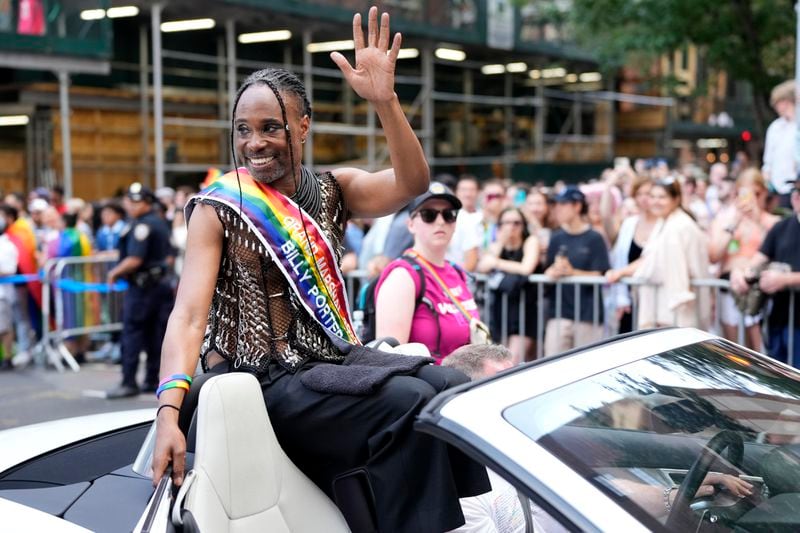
[706, 436]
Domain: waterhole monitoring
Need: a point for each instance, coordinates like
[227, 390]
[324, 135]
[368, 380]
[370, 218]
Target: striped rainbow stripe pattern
[80, 309]
[304, 254]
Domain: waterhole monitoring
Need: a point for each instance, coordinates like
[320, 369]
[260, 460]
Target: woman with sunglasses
[675, 254]
[437, 318]
[512, 258]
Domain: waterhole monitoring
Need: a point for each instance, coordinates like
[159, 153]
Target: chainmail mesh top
[254, 315]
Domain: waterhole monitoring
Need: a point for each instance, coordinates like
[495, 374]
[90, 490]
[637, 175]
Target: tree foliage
[752, 40]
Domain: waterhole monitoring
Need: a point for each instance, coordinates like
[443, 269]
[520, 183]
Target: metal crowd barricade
[77, 301]
[482, 294]
[540, 281]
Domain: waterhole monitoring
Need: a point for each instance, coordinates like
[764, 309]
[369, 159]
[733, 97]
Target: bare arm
[739, 275]
[611, 218]
[126, 266]
[530, 258]
[488, 260]
[370, 194]
[628, 270]
[185, 329]
[720, 238]
[394, 305]
[471, 257]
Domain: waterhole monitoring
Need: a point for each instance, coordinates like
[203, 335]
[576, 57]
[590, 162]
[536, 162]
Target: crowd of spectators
[44, 225]
[647, 231]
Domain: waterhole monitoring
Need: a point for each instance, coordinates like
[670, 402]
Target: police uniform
[149, 298]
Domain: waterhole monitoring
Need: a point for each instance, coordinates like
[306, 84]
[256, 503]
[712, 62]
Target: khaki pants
[563, 334]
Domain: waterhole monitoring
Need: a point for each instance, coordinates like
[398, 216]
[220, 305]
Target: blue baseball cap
[570, 194]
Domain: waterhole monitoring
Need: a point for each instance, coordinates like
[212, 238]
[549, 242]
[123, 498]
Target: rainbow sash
[296, 244]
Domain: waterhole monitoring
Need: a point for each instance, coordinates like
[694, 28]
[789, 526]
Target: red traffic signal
[747, 136]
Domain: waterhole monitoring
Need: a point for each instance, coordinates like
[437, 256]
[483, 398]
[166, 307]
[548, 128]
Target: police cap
[139, 193]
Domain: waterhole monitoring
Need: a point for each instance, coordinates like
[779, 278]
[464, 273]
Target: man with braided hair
[261, 292]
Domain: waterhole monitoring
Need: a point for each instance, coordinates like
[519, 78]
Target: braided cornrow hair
[279, 81]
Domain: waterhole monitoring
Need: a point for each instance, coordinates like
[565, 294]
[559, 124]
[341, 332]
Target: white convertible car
[618, 436]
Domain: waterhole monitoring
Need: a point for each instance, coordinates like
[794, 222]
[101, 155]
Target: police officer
[146, 257]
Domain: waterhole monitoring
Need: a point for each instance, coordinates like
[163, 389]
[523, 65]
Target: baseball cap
[570, 194]
[42, 192]
[38, 204]
[435, 190]
[139, 193]
[165, 193]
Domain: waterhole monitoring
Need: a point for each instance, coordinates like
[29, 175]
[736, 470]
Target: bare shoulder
[204, 224]
[345, 175]
[400, 278]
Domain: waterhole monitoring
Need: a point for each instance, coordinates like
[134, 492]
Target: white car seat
[242, 480]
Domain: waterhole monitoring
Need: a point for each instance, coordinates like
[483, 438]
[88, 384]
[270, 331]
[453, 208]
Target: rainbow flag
[80, 309]
[212, 175]
[24, 239]
[296, 244]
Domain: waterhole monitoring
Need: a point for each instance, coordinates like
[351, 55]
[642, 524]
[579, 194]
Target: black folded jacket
[362, 372]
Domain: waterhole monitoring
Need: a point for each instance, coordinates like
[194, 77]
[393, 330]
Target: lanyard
[427, 266]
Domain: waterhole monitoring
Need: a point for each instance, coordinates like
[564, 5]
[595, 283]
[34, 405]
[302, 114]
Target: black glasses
[511, 222]
[429, 216]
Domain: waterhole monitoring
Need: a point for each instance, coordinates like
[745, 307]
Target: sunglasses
[490, 197]
[429, 216]
[511, 222]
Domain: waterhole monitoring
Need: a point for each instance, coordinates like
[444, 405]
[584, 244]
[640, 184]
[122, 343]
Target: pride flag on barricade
[22, 236]
[81, 308]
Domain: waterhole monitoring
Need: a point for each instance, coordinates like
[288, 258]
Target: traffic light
[747, 136]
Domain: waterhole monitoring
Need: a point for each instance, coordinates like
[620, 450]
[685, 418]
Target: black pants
[144, 321]
[416, 479]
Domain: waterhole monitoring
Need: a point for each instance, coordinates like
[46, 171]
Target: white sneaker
[21, 359]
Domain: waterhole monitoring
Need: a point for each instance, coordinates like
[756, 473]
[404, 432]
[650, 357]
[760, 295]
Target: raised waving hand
[372, 78]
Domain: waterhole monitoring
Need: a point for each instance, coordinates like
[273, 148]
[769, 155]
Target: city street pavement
[35, 394]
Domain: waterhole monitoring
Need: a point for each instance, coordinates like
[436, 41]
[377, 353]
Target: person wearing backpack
[421, 297]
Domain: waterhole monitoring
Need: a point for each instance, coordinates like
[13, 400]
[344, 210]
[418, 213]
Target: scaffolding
[464, 118]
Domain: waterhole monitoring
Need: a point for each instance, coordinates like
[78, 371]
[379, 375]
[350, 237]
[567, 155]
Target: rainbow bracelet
[174, 384]
[184, 377]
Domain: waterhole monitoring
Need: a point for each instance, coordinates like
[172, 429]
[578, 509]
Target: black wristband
[167, 405]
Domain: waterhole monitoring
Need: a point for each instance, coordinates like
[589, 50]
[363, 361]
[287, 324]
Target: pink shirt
[448, 329]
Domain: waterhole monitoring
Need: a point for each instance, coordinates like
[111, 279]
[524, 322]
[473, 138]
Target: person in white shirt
[466, 242]
[780, 163]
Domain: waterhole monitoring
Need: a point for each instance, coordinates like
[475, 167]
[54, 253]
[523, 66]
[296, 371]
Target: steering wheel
[725, 439]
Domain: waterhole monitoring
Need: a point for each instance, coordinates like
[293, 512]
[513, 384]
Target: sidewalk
[33, 394]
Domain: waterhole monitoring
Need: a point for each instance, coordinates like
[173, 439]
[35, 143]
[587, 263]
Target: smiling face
[260, 138]
[467, 192]
[431, 235]
[662, 204]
